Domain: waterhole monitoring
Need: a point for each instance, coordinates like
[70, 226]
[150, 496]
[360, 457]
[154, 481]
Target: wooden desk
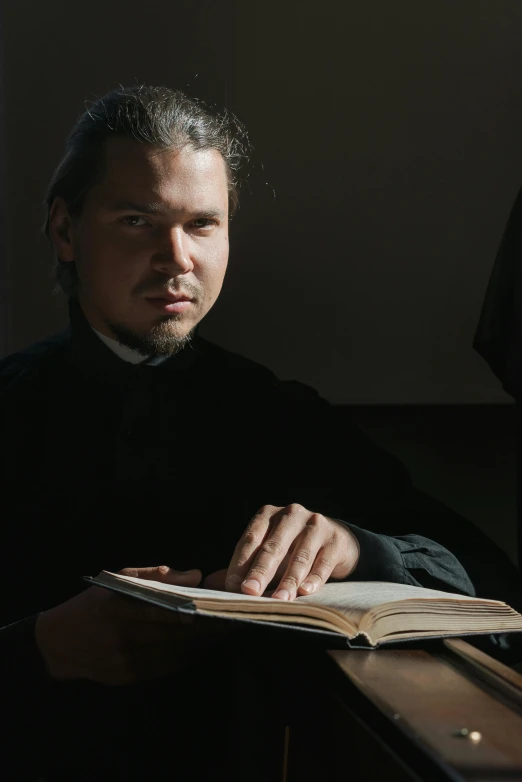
[403, 715]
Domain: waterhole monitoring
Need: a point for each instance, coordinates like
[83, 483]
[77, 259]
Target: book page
[192, 593]
[230, 603]
[356, 598]
[351, 598]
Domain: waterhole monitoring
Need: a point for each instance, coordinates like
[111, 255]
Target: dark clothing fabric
[107, 464]
[498, 338]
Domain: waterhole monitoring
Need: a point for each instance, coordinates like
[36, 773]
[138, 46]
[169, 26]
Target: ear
[60, 231]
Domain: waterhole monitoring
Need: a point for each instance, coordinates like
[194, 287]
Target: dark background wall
[389, 136]
[387, 157]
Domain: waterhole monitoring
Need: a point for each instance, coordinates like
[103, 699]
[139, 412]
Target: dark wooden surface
[396, 714]
[429, 698]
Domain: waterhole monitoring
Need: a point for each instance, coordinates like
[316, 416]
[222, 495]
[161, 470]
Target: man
[131, 442]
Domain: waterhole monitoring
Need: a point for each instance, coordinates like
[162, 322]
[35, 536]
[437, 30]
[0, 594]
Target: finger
[321, 570]
[286, 525]
[165, 575]
[216, 580]
[302, 558]
[248, 545]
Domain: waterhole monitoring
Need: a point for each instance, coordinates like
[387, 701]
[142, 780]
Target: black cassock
[107, 465]
[498, 338]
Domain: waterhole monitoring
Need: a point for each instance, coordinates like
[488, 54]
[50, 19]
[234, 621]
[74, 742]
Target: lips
[170, 303]
[170, 297]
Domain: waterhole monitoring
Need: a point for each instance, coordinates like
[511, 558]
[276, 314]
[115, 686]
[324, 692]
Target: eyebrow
[157, 207]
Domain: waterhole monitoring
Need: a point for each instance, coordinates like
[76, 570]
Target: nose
[173, 255]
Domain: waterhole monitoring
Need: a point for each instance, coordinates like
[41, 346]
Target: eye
[134, 221]
[203, 222]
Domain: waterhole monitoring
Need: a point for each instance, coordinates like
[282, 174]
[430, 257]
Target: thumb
[216, 580]
[165, 575]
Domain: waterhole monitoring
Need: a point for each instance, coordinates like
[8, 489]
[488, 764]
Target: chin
[161, 338]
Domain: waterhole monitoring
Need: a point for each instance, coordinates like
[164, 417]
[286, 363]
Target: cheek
[103, 263]
[214, 275]
[216, 265]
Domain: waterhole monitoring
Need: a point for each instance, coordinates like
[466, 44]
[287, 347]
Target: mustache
[151, 288]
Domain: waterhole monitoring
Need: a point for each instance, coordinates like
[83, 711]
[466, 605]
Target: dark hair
[158, 116]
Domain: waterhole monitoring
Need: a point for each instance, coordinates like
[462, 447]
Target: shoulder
[31, 361]
[251, 373]
[223, 360]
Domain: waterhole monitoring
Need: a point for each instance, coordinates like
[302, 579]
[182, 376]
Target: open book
[365, 613]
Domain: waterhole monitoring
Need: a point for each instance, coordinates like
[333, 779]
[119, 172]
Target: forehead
[139, 171]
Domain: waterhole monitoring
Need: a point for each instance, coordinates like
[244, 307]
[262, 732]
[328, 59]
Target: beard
[161, 340]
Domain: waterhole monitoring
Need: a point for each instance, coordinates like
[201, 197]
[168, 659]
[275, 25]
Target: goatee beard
[159, 341]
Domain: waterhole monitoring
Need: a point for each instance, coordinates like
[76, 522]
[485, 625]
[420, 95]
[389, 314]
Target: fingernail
[308, 586]
[282, 594]
[233, 581]
[252, 583]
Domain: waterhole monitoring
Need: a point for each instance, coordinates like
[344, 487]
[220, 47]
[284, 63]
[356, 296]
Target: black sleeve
[26, 700]
[408, 559]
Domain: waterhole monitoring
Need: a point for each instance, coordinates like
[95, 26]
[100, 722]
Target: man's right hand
[110, 639]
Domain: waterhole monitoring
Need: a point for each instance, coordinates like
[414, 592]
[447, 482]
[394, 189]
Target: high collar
[94, 358]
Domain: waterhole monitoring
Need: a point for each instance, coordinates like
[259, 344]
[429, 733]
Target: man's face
[151, 244]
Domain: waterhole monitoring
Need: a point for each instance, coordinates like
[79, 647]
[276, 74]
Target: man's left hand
[297, 548]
